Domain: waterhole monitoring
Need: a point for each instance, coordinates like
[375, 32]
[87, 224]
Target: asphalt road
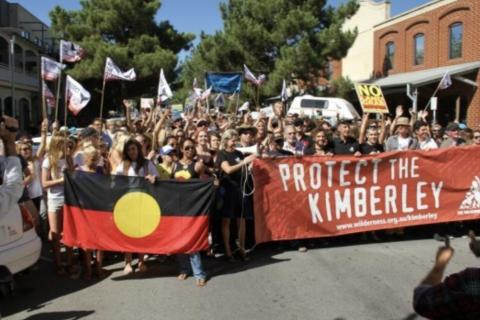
[354, 282]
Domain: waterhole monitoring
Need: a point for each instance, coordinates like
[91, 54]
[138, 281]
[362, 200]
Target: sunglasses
[476, 137]
[187, 148]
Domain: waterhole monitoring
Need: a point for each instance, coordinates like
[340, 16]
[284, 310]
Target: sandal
[142, 267]
[128, 269]
[182, 276]
[201, 282]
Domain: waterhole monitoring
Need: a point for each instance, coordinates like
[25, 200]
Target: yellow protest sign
[371, 98]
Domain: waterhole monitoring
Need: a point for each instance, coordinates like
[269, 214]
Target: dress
[237, 186]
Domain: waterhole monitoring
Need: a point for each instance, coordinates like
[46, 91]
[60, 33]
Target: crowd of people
[205, 144]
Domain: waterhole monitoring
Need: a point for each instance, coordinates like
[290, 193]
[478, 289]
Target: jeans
[195, 265]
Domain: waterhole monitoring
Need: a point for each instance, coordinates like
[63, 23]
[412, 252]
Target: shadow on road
[213, 267]
[65, 315]
[37, 288]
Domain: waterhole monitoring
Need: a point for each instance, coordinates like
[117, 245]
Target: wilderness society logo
[471, 203]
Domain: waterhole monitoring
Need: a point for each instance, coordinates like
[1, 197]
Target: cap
[167, 150]
[245, 128]
[452, 127]
[403, 121]
[298, 122]
[88, 132]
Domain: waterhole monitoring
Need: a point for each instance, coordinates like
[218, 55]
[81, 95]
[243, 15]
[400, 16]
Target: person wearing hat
[402, 138]
[165, 167]
[453, 134]
[247, 135]
[305, 143]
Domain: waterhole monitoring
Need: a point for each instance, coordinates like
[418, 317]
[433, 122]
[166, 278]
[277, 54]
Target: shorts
[55, 204]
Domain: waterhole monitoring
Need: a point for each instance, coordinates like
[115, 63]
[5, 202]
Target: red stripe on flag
[90, 229]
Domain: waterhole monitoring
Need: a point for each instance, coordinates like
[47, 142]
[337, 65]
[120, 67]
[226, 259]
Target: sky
[185, 15]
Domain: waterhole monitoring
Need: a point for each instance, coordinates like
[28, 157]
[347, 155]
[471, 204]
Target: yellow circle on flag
[136, 214]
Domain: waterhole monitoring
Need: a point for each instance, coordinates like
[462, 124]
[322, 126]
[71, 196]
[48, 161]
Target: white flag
[113, 72]
[48, 95]
[219, 100]
[70, 51]
[51, 69]
[445, 82]
[77, 97]
[284, 94]
[206, 93]
[164, 91]
[251, 77]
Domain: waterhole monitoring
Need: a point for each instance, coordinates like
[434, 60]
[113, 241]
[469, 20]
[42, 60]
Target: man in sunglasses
[12, 186]
[476, 137]
[453, 134]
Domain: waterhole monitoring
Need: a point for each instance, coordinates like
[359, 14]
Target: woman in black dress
[238, 204]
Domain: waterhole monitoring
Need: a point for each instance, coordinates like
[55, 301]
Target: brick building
[418, 47]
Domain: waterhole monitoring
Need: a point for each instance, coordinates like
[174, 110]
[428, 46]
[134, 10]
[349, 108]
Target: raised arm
[363, 128]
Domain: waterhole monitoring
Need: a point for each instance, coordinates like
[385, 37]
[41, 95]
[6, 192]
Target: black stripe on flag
[101, 192]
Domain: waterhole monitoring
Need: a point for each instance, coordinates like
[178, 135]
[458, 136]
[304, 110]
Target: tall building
[358, 63]
[23, 39]
[417, 48]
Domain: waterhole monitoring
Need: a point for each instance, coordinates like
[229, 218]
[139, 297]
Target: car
[20, 245]
[325, 107]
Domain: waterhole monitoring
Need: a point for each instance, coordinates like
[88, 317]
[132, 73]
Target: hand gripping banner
[313, 197]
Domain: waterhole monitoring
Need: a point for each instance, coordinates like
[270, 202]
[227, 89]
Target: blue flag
[224, 82]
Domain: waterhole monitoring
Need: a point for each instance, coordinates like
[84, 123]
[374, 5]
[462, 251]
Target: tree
[284, 39]
[126, 31]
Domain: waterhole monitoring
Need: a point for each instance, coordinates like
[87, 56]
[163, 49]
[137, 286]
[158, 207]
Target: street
[365, 281]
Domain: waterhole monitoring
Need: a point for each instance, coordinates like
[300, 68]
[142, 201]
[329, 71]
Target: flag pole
[236, 103]
[101, 102]
[44, 107]
[66, 110]
[57, 100]
[258, 98]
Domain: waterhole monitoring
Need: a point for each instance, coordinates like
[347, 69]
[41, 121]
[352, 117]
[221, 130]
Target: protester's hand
[250, 158]
[8, 128]
[423, 114]
[444, 255]
[357, 154]
[398, 112]
[55, 125]
[44, 127]
[150, 178]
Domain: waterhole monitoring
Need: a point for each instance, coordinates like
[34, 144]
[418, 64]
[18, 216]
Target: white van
[325, 107]
[20, 245]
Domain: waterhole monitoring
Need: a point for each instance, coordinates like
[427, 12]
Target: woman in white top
[134, 164]
[59, 158]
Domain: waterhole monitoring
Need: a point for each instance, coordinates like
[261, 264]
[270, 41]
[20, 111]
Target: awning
[425, 77]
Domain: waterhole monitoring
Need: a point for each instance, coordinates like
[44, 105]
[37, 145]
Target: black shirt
[366, 148]
[350, 146]
[232, 158]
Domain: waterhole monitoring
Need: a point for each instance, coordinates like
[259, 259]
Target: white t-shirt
[55, 192]
[35, 187]
[428, 144]
[403, 143]
[151, 170]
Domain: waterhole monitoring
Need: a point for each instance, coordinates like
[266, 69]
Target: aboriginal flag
[129, 214]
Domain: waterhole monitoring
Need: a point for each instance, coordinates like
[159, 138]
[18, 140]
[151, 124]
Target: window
[389, 56]
[4, 51]
[418, 49]
[30, 62]
[315, 104]
[18, 58]
[456, 40]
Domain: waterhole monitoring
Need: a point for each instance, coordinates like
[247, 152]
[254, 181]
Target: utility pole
[12, 68]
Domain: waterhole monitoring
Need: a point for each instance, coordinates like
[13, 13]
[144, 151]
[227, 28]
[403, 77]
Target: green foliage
[342, 88]
[284, 39]
[126, 31]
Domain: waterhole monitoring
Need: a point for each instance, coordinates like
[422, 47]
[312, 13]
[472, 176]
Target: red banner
[313, 197]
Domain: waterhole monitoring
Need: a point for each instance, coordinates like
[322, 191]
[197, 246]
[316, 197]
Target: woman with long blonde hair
[59, 158]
